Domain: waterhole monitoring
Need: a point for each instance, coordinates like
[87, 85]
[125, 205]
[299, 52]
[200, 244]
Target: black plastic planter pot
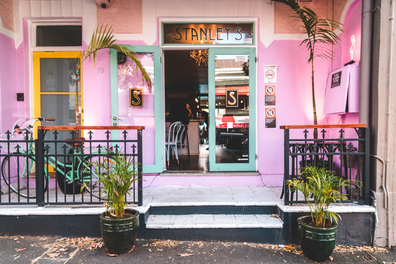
[317, 243]
[119, 235]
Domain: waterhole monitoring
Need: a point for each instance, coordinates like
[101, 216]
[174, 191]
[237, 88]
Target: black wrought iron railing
[343, 149]
[59, 167]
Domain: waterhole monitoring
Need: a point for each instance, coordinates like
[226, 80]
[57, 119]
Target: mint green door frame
[251, 166]
[156, 50]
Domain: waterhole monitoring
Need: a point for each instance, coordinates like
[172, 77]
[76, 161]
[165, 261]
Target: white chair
[180, 141]
[172, 140]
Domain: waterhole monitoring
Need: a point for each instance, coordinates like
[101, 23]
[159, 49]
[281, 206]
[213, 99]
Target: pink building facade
[276, 42]
[273, 43]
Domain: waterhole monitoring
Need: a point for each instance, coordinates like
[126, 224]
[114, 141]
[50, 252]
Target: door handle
[116, 118]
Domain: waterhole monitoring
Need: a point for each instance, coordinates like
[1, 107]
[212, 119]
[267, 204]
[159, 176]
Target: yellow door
[55, 89]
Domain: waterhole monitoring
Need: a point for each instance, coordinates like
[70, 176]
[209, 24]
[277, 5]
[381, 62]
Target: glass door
[56, 92]
[134, 104]
[232, 109]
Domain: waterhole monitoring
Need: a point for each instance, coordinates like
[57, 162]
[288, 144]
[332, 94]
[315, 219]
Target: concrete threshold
[176, 173]
[195, 221]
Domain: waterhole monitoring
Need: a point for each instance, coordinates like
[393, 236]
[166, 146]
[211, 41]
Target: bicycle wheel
[19, 174]
[89, 173]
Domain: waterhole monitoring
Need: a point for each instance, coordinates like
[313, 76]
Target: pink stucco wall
[8, 77]
[14, 78]
[352, 27]
[96, 89]
[293, 101]
[23, 70]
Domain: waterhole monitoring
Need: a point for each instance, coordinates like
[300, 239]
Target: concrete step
[212, 209]
[213, 221]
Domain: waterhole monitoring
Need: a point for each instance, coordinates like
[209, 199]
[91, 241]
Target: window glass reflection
[232, 108]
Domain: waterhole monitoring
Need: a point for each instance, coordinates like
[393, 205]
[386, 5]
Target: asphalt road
[31, 249]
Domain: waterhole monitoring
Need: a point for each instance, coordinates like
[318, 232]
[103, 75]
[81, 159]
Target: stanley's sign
[230, 33]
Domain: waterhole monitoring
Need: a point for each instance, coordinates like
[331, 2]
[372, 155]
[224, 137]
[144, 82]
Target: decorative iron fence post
[286, 167]
[140, 168]
[40, 168]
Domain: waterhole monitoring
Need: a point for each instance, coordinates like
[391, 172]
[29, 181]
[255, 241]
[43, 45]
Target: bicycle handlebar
[19, 131]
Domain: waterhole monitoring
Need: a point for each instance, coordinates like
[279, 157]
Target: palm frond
[103, 38]
[139, 67]
[319, 30]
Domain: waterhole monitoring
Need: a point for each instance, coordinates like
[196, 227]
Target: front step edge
[208, 221]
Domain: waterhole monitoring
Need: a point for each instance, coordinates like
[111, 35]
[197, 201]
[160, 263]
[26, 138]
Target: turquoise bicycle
[19, 168]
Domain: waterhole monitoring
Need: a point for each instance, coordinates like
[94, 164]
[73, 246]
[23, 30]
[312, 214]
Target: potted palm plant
[119, 226]
[318, 231]
[116, 172]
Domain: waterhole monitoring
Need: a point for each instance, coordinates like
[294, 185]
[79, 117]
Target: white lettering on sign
[241, 58]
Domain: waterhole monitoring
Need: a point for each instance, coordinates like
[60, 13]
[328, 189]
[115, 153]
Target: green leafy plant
[320, 31]
[324, 187]
[116, 174]
[103, 38]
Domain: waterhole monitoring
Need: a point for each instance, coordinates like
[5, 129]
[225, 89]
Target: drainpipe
[374, 197]
[365, 61]
[389, 116]
[383, 181]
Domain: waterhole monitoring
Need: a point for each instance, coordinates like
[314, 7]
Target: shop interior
[186, 102]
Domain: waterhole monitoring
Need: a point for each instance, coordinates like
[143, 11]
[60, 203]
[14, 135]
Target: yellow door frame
[37, 55]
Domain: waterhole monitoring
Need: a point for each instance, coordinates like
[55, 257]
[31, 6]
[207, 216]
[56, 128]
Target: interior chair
[180, 141]
[172, 139]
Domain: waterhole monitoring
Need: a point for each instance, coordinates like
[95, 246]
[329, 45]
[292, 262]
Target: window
[50, 36]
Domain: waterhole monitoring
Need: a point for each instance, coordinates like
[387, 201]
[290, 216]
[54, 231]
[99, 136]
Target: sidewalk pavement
[43, 249]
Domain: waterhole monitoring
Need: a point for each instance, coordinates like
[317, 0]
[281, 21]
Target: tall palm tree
[103, 38]
[319, 30]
